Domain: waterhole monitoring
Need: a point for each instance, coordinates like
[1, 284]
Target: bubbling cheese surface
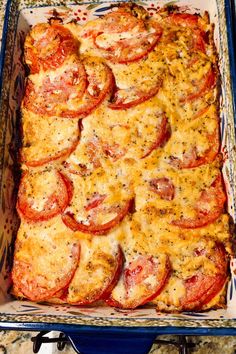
[154, 140]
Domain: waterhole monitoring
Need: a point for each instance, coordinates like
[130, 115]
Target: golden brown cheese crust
[170, 137]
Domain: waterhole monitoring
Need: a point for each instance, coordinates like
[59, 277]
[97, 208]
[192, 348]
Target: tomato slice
[43, 195]
[54, 95]
[60, 296]
[98, 273]
[185, 20]
[48, 139]
[99, 202]
[208, 208]
[117, 21]
[98, 229]
[43, 276]
[192, 158]
[198, 42]
[100, 85]
[50, 158]
[143, 279]
[163, 134]
[121, 21]
[95, 201]
[202, 288]
[81, 86]
[188, 21]
[85, 159]
[128, 47]
[201, 112]
[127, 98]
[91, 153]
[47, 47]
[114, 151]
[202, 87]
[163, 187]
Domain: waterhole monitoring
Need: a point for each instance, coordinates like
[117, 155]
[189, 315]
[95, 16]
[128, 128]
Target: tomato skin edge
[70, 222]
[161, 139]
[84, 112]
[208, 84]
[41, 162]
[216, 287]
[113, 282]
[137, 57]
[199, 221]
[52, 292]
[39, 216]
[53, 60]
[147, 96]
[114, 303]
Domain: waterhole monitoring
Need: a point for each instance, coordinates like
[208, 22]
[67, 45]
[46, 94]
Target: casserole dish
[102, 322]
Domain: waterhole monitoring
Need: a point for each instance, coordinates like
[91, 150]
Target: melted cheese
[45, 247]
[38, 187]
[101, 183]
[47, 137]
[98, 264]
[109, 161]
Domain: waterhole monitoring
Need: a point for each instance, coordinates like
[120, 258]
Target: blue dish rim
[171, 330]
[84, 329]
[230, 19]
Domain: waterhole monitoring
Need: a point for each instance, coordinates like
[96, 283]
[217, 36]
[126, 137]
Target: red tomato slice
[200, 112]
[143, 279]
[199, 43]
[203, 86]
[163, 134]
[82, 86]
[54, 95]
[163, 187]
[91, 149]
[113, 151]
[202, 288]
[39, 287]
[191, 28]
[61, 295]
[43, 161]
[114, 22]
[97, 229]
[96, 276]
[95, 202]
[92, 152]
[55, 198]
[208, 208]
[95, 150]
[126, 98]
[69, 187]
[129, 46]
[185, 20]
[192, 159]
[100, 84]
[121, 21]
[80, 170]
[47, 47]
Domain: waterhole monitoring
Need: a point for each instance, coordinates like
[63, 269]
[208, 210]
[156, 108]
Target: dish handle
[102, 342]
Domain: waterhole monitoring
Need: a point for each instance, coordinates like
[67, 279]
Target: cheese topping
[150, 141]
